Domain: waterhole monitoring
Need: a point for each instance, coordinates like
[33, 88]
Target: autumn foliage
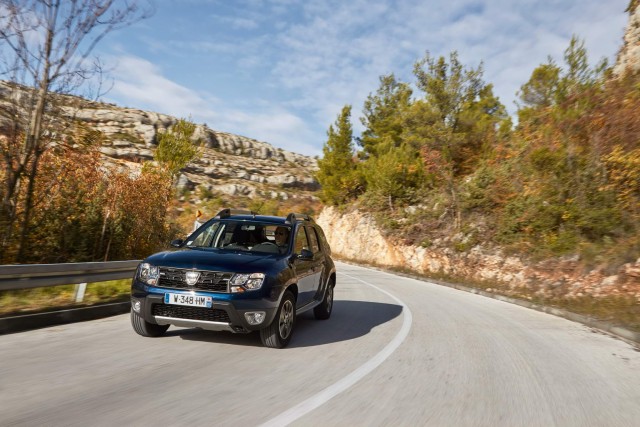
[564, 180]
[88, 210]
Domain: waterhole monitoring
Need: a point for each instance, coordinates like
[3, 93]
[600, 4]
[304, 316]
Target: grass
[28, 301]
[619, 310]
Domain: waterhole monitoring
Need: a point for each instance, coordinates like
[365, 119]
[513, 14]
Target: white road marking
[335, 389]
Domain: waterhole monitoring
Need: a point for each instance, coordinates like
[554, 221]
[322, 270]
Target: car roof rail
[292, 217]
[226, 213]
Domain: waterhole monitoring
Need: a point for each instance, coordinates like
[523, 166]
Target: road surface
[395, 352]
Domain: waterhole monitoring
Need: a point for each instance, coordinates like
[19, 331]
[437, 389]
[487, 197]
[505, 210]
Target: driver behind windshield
[282, 236]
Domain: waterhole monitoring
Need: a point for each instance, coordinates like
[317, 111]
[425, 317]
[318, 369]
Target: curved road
[396, 352]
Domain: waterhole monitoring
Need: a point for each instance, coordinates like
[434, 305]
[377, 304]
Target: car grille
[210, 281]
[193, 313]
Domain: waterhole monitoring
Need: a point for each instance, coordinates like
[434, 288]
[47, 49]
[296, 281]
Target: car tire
[146, 329]
[278, 333]
[323, 311]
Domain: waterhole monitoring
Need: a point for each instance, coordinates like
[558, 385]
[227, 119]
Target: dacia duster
[238, 272]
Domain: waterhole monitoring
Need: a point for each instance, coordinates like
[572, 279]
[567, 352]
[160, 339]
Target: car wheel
[323, 311]
[146, 329]
[278, 333]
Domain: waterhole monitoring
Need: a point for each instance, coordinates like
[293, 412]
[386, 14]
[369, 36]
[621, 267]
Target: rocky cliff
[229, 164]
[355, 236]
[629, 56]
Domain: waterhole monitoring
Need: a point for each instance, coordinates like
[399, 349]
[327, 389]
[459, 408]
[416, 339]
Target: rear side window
[301, 240]
[313, 240]
[323, 240]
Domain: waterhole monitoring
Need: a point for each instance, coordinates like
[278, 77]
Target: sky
[280, 71]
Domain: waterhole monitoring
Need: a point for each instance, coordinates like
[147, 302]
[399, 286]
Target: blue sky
[279, 71]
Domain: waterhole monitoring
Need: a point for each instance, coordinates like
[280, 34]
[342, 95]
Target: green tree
[578, 74]
[456, 124]
[383, 116]
[571, 158]
[540, 91]
[459, 115]
[551, 85]
[175, 147]
[394, 175]
[337, 173]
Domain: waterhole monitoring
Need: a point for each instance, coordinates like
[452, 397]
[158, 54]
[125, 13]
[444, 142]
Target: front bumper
[226, 313]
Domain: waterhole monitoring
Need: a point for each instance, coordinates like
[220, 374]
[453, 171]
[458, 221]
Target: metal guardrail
[27, 276]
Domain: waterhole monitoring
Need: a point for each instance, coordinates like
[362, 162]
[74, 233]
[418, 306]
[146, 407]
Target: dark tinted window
[323, 240]
[313, 240]
[301, 240]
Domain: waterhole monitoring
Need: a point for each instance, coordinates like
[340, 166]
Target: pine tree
[383, 115]
[337, 172]
[459, 115]
[175, 148]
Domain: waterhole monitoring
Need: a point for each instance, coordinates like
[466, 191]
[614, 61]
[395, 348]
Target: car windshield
[246, 236]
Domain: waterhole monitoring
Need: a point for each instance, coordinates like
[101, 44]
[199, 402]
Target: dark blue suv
[238, 272]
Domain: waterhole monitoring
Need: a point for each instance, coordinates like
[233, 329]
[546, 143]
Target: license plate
[188, 300]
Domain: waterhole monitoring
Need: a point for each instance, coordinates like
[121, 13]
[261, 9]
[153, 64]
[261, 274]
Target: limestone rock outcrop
[124, 125]
[354, 235]
[629, 56]
[229, 164]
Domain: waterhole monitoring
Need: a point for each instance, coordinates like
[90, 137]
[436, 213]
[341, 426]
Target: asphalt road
[396, 352]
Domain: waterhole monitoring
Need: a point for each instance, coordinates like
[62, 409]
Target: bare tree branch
[45, 46]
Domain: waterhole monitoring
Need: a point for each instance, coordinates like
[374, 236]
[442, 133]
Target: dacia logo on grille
[192, 277]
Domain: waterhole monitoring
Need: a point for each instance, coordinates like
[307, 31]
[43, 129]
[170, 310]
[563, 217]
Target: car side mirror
[305, 255]
[177, 243]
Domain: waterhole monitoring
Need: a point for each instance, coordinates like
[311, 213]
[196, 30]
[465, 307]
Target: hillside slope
[229, 164]
[611, 296]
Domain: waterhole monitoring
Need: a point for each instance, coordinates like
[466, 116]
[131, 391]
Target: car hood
[215, 260]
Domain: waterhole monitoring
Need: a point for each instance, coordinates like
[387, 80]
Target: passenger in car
[282, 237]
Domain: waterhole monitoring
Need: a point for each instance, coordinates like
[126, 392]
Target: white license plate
[188, 299]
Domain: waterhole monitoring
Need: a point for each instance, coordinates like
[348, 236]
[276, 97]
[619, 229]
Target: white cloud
[337, 54]
[139, 83]
[238, 22]
[280, 128]
[304, 60]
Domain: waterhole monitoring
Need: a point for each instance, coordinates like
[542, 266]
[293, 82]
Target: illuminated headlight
[246, 282]
[148, 273]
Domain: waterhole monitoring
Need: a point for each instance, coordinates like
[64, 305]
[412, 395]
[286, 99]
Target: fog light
[136, 305]
[255, 317]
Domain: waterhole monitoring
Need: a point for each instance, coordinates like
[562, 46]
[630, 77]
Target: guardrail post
[80, 288]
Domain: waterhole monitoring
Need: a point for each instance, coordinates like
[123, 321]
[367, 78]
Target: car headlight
[246, 282]
[148, 273]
